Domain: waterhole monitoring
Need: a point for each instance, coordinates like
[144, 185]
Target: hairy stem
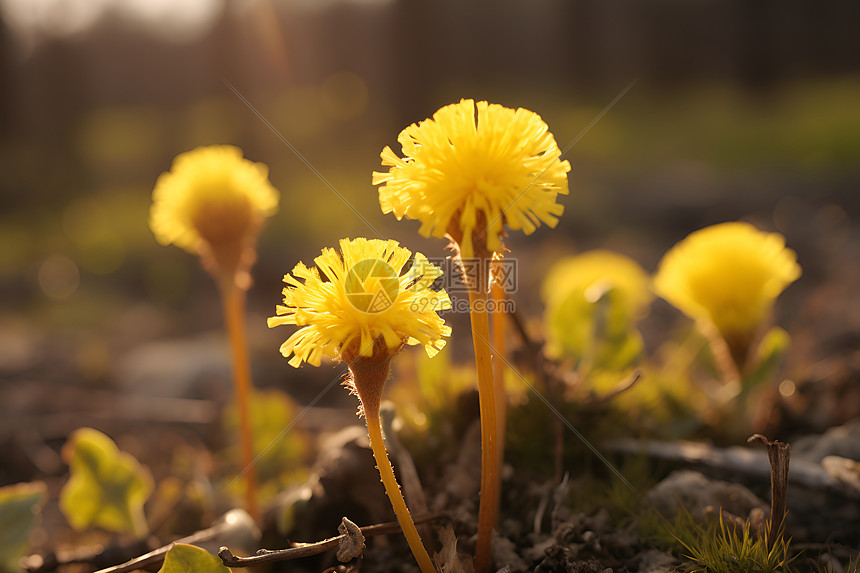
[392, 489]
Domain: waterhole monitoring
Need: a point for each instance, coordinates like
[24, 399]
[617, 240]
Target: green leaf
[597, 331]
[280, 455]
[190, 559]
[770, 354]
[107, 488]
[20, 505]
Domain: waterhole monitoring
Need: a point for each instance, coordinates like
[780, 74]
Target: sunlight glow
[172, 19]
[52, 17]
[175, 20]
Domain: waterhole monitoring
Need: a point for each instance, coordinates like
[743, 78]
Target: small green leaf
[280, 456]
[107, 488]
[190, 559]
[20, 505]
[597, 331]
[770, 353]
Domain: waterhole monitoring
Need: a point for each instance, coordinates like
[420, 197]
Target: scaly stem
[233, 299]
[489, 450]
[386, 472]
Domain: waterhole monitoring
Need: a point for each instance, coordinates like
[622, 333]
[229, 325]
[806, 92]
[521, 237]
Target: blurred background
[735, 110]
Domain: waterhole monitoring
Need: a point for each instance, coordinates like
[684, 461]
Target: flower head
[212, 200]
[358, 302]
[592, 273]
[472, 168]
[592, 303]
[728, 275]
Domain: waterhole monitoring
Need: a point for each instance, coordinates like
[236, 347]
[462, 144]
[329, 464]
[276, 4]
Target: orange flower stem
[392, 489]
[722, 353]
[368, 380]
[497, 294]
[488, 507]
[233, 299]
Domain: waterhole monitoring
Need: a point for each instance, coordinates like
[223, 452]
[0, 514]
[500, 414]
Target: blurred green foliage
[603, 490]
[769, 354]
[88, 205]
[593, 302]
[426, 390]
[20, 506]
[106, 487]
[811, 126]
[281, 447]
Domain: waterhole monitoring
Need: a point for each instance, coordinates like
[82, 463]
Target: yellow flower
[593, 301]
[211, 199]
[353, 304]
[467, 177]
[728, 275]
[595, 272]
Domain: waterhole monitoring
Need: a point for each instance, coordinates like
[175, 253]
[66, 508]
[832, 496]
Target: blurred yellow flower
[728, 275]
[358, 302]
[211, 199]
[472, 168]
[592, 303]
[595, 272]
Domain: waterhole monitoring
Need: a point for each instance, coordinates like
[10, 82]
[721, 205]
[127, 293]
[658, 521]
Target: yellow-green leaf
[190, 559]
[280, 456]
[20, 505]
[593, 301]
[107, 488]
[770, 353]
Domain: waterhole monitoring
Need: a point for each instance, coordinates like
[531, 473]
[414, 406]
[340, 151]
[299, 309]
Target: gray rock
[179, 368]
[695, 492]
[842, 441]
[505, 555]
[846, 471]
[654, 561]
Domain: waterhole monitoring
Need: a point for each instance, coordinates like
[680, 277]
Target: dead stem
[779, 455]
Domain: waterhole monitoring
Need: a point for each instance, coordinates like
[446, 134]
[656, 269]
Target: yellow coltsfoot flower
[594, 272]
[593, 301]
[728, 276]
[213, 203]
[467, 172]
[356, 303]
[472, 168]
[358, 306]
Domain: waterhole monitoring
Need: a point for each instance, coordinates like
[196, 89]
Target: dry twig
[300, 550]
